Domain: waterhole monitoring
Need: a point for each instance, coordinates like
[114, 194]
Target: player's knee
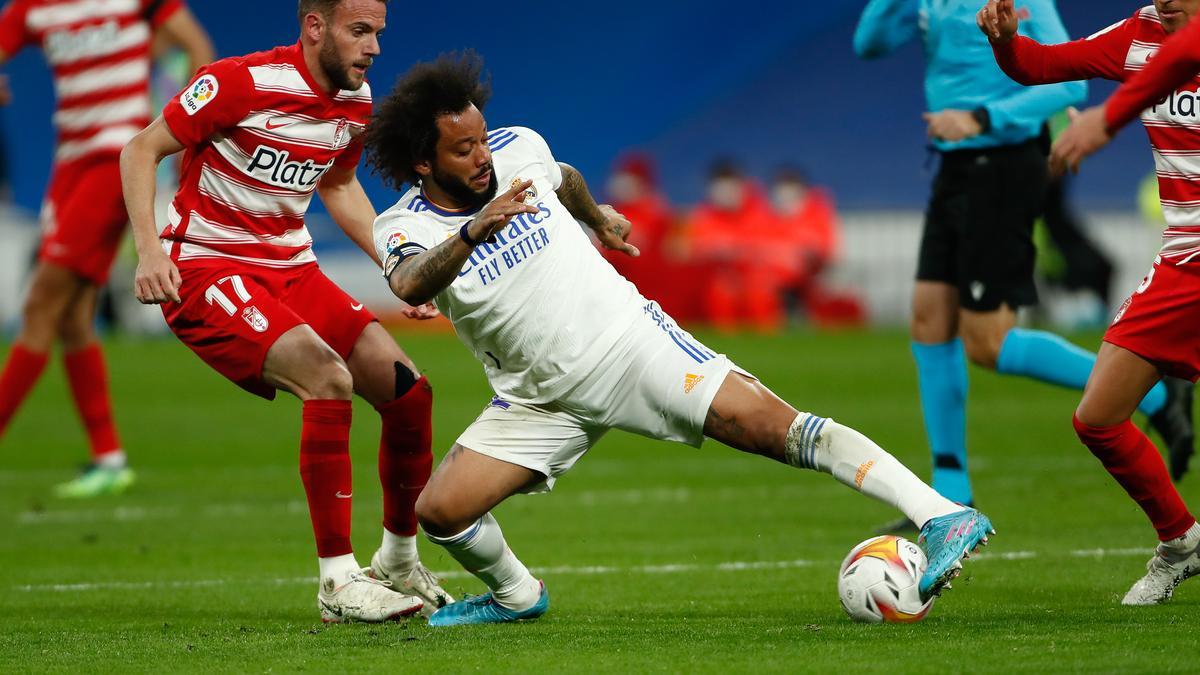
[1092, 428]
[327, 376]
[437, 516]
[983, 351]
[76, 330]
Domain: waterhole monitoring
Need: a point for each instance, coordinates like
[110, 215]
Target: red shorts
[232, 313]
[1160, 322]
[84, 218]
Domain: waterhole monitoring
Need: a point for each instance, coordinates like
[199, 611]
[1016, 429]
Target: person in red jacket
[634, 192]
[730, 233]
[1155, 331]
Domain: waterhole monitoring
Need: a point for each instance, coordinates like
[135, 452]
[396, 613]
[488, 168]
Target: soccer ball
[878, 581]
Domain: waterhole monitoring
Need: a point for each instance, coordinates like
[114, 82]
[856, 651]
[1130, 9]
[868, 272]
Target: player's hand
[952, 125]
[422, 312]
[157, 280]
[998, 20]
[1087, 133]
[497, 214]
[614, 231]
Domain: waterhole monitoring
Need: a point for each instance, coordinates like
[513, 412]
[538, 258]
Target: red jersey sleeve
[1176, 64]
[219, 97]
[1029, 62]
[13, 35]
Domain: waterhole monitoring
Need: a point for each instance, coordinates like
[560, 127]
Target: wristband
[984, 118]
[466, 236]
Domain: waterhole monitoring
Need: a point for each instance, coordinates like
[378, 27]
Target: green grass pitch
[657, 557]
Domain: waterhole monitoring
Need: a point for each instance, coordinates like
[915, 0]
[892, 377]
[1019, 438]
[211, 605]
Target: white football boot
[417, 581]
[1173, 562]
[364, 599]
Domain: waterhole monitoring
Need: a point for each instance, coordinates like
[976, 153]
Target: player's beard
[461, 191]
[337, 70]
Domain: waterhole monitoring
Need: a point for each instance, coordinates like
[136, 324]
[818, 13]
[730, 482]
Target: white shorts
[658, 382]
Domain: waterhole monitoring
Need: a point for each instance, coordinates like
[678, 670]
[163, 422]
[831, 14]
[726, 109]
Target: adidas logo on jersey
[690, 382]
[272, 166]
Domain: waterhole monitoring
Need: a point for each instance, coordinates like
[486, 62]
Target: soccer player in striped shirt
[238, 282]
[1155, 331]
[100, 55]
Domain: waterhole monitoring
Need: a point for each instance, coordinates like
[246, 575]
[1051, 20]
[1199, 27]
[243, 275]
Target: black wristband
[466, 236]
[984, 118]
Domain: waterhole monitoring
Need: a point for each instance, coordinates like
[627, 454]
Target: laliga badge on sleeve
[200, 94]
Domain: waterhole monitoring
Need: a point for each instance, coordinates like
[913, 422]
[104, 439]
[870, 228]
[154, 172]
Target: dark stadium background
[769, 83]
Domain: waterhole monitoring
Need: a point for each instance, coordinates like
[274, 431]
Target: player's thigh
[1005, 192]
[1119, 381]
[336, 316]
[376, 362]
[84, 219]
[546, 440]
[300, 362]
[231, 317]
[465, 486]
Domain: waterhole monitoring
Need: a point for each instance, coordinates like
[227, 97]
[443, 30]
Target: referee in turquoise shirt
[976, 260]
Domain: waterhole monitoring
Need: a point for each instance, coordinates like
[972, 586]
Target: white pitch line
[564, 570]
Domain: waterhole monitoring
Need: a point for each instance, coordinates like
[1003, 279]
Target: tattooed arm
[611, 227]
[417, 279]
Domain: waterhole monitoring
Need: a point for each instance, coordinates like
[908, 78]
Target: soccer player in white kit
[488, 232]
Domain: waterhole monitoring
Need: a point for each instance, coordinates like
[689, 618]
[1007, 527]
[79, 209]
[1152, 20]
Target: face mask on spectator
[788, 198]
[725, 193]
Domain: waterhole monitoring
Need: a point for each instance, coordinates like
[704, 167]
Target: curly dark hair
[403, 130]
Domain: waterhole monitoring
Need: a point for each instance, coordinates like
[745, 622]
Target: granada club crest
[343, 126]
[255, 319]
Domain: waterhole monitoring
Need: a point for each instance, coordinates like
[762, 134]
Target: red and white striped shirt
[99, 51]
[260, 133]
[1118, 53]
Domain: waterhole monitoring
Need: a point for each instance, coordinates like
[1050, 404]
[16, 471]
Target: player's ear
[313, 26]
[423, 168]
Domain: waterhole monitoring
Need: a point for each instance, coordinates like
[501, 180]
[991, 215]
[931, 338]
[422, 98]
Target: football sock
[1135, 463]
[1187, 542]
[89, 386]
[325, 471]
[21, 372]
[398, 552]
[942, 375]
[824, 445]
[405, 455]
[482, 551]
[338, 568]
[1049, 358]
[112, 460]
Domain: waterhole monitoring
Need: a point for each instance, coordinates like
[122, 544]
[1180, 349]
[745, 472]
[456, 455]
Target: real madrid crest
[530, 194]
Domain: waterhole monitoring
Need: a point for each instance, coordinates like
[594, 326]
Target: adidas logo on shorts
[690, 382]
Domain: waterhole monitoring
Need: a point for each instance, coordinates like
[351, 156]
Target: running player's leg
[747, 416]
[50, 293]
[510, 448]
[1118, 382]
[387, 379]
[87, 375]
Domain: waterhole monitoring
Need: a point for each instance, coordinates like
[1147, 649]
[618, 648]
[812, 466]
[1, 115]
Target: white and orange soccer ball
[878, 581]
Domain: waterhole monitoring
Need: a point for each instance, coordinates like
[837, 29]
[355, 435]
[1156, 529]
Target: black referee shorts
[979, 227]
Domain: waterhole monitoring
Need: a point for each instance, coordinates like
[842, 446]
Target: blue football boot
[947, 540]
[477, 609]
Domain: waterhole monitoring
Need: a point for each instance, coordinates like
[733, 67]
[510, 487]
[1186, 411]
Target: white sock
[824, 445]
[398, 553]
[338, 568]
[482, 551]
[1188, 542]
[112, 460]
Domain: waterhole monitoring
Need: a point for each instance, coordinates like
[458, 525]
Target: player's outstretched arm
[611, 228]
[417, 279]
[182, 30]
[157, 279]
[349, 206]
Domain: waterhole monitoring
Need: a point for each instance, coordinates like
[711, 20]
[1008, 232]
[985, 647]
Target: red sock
[325, 470]
[1136, 464]
[89, 386]
[405, 456]
[21, 372]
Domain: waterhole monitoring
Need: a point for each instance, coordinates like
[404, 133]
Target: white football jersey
[540, 308]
